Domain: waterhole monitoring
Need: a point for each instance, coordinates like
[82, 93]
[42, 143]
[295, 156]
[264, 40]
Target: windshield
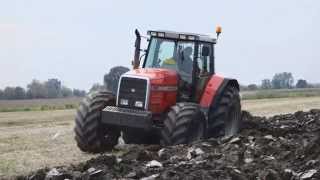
[171, 54]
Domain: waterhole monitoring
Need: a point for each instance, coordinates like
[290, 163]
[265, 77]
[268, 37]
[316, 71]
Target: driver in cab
[182, 63]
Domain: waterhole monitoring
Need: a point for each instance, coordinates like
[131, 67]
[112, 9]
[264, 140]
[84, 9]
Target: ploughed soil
[280, 147]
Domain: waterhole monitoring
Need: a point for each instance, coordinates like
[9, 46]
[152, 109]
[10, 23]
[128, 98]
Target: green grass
[72, 103]
[8, 166]
[38, 104]
[40, 108]
[280, 93]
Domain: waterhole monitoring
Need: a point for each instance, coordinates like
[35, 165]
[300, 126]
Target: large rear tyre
[184, 124]
[225, 117]
[92, 136]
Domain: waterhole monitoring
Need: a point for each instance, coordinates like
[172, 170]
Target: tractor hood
[157, 76]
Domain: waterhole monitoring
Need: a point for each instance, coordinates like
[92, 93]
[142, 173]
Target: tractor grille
[133, 90]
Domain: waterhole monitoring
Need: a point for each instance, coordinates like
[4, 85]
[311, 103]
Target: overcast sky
[79, 41]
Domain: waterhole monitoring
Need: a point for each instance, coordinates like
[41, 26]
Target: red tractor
[172, 97]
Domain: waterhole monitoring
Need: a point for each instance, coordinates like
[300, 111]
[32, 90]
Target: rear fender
[214, 90]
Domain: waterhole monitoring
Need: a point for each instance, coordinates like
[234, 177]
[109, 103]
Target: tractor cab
[190, 55]
[184, 53]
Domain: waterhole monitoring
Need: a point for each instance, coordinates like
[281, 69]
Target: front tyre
[184, 124]
[90, 134]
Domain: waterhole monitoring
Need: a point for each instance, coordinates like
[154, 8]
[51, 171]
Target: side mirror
[205, 51]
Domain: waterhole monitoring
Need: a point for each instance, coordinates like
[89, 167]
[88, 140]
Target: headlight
[153, 33]
[191, 38]
[160, 34]
[124, 102]
[182, 36]
[138, 104]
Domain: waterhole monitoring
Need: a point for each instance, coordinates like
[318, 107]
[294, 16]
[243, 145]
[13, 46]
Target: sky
[78, 41]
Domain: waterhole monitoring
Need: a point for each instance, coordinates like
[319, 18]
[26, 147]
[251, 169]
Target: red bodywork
[211, 90]
[161, 99]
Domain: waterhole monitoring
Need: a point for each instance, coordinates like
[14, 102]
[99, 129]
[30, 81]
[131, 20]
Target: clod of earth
[285, 147]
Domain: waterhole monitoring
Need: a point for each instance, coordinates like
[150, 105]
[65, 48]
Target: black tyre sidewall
[180, 122]
[89, 132]
[219, 112]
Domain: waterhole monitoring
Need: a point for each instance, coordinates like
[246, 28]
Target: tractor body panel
[211, 90]
[154, 89]
[157, 76]
[160, 91]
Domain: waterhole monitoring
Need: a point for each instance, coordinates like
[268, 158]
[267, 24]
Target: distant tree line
[282, 80]
[52, 88]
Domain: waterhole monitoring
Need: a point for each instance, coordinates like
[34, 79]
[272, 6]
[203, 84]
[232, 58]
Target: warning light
[218, 31]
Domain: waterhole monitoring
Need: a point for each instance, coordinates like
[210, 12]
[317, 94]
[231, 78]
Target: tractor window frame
[210, 64]
[196, 46]
[212, 59]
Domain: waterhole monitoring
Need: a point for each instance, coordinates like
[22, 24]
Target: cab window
[204, 55]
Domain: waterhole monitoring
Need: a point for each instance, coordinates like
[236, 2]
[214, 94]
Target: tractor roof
[182, 36]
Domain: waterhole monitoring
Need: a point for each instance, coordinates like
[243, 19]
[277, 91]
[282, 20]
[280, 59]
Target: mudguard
[214, 89]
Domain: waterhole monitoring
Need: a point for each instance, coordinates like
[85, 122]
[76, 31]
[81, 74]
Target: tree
[79, 93]
[313, 85]
[112, 78]
[96, 87]
[282, 80]
[243, 87]
[66, 92]
[302, 83]
[37, 90]
[1, 94]
[266, 84]
[252, 87]
[9, 93]
[53, 88]
[20, 93]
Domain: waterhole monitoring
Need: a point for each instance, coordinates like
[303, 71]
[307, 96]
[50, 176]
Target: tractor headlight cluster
[153, 33]
[182, 36]
[138, 104]
[187, 37]
[160, 34]
[124, 102]
[157, 34]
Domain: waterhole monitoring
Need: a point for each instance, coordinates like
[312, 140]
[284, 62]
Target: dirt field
[282, 147]
[32, 140]
[280, 93]
[269, 107]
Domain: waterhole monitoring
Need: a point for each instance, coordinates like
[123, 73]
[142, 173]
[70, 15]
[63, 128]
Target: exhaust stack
[136, 60]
